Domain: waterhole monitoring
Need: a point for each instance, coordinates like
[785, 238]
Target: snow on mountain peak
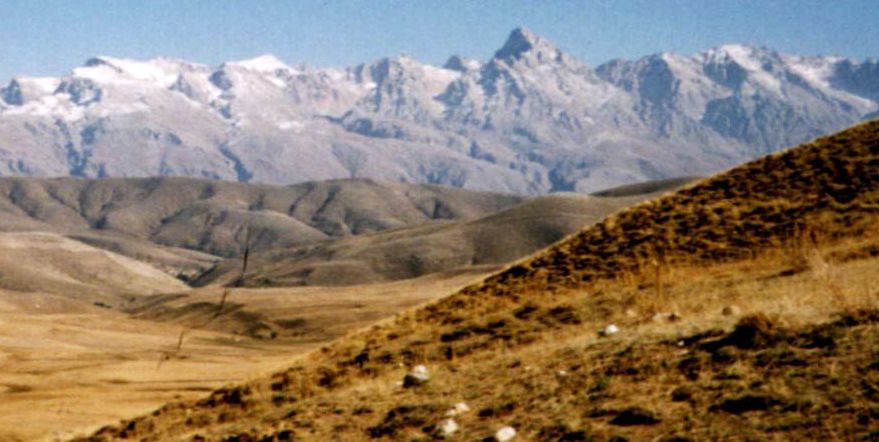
[744, 55]
[263, 63]
[115, 70]
[759, 64]
[815, 70]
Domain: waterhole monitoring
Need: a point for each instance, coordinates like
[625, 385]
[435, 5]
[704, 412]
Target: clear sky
[42, 37]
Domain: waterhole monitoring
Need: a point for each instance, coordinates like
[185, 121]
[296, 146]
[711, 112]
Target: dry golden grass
[66, 367]
[789, 240]
[69, 367]
[299, 314]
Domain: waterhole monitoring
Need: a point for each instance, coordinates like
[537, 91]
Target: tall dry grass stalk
[658, 265]
[237, 282]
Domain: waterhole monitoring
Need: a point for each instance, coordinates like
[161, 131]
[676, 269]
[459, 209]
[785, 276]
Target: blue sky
[39, 37]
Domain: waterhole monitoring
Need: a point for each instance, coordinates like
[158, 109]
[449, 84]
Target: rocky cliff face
[530, 120]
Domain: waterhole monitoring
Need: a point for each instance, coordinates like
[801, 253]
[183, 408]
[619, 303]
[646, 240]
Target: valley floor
[70, 367]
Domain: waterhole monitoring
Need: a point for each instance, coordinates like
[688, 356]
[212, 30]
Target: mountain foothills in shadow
[530, 120]
[324, 233]
[409, 252]
[184, 225]
[728, 299]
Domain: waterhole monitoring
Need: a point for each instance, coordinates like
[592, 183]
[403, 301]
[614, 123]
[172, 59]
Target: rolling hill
[51, 263]
[410, 252]
[744, 306]
[155, 219]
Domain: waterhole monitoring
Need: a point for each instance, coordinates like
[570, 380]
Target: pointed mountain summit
[524, 44]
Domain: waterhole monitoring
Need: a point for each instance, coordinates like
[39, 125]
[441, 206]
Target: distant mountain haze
[530, 120]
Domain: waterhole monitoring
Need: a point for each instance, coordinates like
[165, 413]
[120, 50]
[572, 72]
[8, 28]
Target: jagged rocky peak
[858, 77]
[461, 64]
[96, 61]
[379, 70]
[11, 93]
[400, 62]
[523, 44]
[21, 90]
[403, 68]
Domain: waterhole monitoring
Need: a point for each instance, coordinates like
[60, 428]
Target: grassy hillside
[746, 309]
[410, 252]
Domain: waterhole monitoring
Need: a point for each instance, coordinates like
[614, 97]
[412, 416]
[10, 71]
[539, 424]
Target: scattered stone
[754, 331]
[418, 376]
[746, 403]
[448, 426]
[724, 355]
[681, 394]
[632, 314]
[731, 310]
[611, 329]
[634, 416]
[562, 373]
[505, 434]
[458, 409]
[663, 317]
[575, 436]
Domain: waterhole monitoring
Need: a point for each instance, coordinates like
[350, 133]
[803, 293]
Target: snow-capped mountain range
[530, 120]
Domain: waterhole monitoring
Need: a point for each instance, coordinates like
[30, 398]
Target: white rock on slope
[505, 434]
[448, 427]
